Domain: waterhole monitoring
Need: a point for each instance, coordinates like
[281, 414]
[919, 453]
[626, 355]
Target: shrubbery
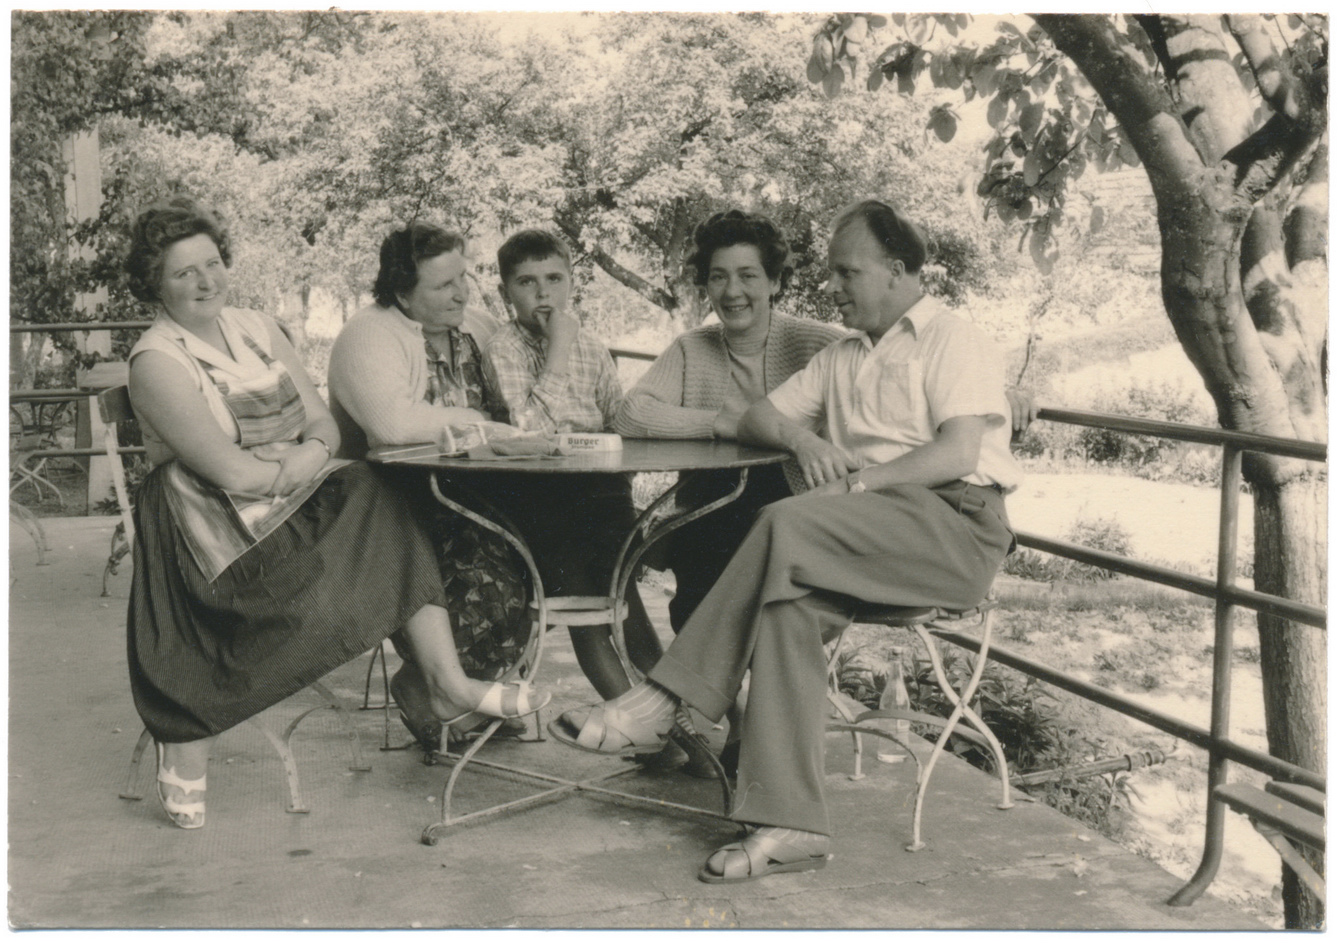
[1144, 456]
[1092, 532]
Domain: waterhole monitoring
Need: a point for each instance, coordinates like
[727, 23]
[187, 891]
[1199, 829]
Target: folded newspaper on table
[498, 440]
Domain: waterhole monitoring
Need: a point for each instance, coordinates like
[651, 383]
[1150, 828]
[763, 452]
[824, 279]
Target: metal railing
[72, 394]
[1227, 596]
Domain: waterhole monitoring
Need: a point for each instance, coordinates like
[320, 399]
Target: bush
[1095, 533]
[1145, 456]
[1163, 401]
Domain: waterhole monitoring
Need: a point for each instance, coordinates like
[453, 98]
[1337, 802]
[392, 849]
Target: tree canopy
[623, 134]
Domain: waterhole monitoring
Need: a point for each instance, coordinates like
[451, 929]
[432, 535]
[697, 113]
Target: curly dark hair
[734, 228]
[401, 253]
[901, 239]
[160, 227]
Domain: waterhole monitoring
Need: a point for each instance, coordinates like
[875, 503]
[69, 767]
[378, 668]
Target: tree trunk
[25, 354]
[1290, 561]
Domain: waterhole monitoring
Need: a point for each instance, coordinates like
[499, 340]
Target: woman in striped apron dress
[261, 563]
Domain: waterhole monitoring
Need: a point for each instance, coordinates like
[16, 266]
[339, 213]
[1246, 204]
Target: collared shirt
[584, 400]
[882, 400]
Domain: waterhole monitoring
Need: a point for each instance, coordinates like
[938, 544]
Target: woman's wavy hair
[401, 253]
[157, 229]
[734, 228]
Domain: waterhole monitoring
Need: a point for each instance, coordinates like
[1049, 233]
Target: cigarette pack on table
[589, 442]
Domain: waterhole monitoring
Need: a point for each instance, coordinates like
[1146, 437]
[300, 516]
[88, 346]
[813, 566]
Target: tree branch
[626, 277]
[650, 234]
[1305, 228]
[1134, 97]
[1213, 102]
[1277, 84]
[1271, 153]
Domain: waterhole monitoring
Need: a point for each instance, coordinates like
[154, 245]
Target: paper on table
[412, 452]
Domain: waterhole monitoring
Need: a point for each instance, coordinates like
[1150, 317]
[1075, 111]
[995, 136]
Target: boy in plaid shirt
[554, 377]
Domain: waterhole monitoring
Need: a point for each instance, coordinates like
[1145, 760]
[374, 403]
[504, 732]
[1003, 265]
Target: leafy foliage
[1095, 533]
[623, 133]
[1139, 455]
[1049, 123]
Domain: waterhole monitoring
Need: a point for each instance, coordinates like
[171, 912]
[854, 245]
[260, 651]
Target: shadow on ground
[81, 857]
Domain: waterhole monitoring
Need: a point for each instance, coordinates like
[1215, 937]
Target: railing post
[1220, 698]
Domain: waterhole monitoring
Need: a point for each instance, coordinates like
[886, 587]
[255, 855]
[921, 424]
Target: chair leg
[35, 476]
[31, 523]
[131, 788]
[835, 698]
[997, 752]
[295, 803]
[356, 762]
[116, 554]
[378, 653]
[960, 702]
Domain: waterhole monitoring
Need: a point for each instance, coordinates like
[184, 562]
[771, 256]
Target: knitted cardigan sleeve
[372, 377]
[654, 408]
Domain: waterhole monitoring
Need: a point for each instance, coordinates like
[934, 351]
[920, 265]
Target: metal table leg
[579, 610]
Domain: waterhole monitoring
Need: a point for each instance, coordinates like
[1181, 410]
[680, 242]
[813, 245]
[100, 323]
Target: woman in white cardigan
[400, 370]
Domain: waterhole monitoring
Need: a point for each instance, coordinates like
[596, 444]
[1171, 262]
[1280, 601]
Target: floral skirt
[486, 592]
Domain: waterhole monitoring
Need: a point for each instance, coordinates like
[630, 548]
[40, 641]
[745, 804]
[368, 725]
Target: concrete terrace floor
[79, 857]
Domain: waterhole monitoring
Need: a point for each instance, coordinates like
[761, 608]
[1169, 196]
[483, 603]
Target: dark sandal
[763, 855]
[415, 712]
[584, 735]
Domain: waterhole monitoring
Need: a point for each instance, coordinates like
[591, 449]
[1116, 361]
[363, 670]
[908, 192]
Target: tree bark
[1290, 561]
[1249, 312]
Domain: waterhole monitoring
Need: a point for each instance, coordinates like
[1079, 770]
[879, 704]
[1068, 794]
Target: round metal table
[663, 516]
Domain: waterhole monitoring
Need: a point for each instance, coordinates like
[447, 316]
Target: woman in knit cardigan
[400, 370]
[701, 386]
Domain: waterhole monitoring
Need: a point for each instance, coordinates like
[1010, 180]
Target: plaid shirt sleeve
[507, 370]
[578, 400]
[609, 391]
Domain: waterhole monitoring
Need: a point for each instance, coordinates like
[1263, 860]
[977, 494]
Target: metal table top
[637, 455]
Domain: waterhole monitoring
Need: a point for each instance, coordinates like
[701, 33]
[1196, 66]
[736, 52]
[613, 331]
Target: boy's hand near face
[538, 291]
[560, 326]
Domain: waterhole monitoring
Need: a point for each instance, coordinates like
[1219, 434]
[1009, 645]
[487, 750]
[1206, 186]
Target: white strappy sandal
[181, 814]
[507, 700]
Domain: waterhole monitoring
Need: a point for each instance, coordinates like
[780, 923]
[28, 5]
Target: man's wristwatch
[854, 483]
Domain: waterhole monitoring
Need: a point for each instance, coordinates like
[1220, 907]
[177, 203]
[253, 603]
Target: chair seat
[906, 616]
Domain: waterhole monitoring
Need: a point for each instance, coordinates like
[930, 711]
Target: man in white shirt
[902, 432]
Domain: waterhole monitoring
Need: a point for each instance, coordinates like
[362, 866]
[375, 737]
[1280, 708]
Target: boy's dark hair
[401, 253]
[157, 229]
[900, 238]
[734, 228]
[530, 245]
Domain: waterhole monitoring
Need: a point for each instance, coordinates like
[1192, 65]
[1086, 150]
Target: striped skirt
[346, 570]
